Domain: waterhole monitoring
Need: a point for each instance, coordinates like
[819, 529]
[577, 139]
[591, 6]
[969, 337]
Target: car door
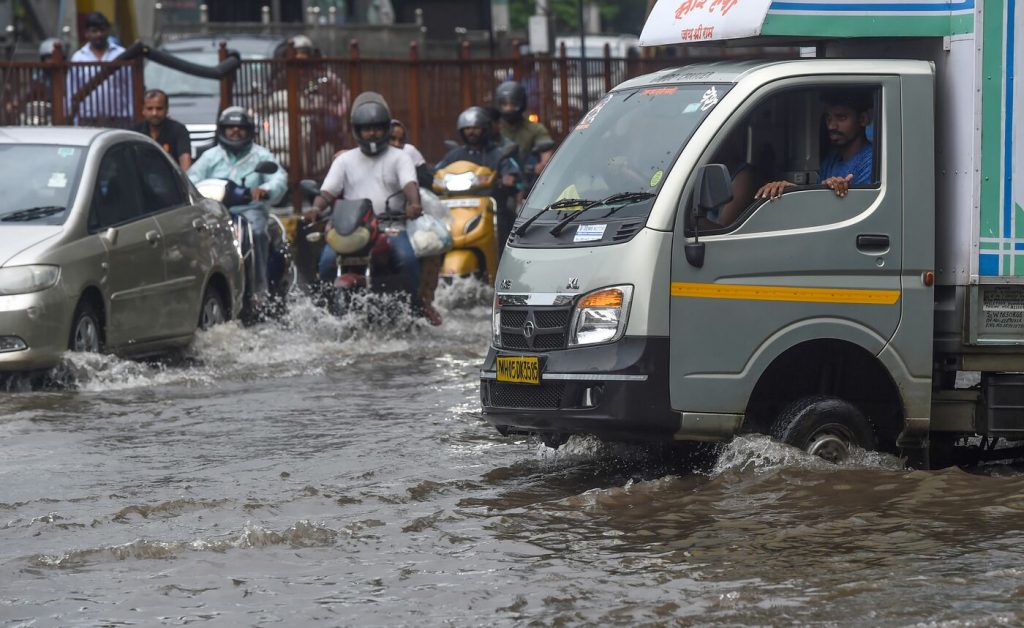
[132, 275]
[806, 265]
[186, 238]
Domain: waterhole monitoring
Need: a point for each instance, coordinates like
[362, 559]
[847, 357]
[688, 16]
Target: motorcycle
[465, 188]
[364, 265]
[281, 271]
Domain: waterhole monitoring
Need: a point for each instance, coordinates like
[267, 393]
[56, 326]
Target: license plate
[519, 369]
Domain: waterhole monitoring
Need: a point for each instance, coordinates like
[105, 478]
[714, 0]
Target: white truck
[648, 294]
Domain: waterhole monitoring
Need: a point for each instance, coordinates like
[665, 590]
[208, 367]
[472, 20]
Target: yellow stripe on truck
[785, 293]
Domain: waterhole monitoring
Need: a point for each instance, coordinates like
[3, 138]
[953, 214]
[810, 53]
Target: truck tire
[824, 426]
[86, 329]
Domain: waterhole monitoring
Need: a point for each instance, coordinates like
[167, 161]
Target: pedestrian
[110, 102]
[170, 134]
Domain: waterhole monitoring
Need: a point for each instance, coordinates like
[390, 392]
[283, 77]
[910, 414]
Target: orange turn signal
[533, 117]
[604, 298]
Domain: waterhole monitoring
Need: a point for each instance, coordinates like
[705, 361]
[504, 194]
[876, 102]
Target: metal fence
[302, 105]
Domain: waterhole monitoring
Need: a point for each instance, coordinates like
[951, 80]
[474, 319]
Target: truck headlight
[600, 316]
[496, 321]
[24, 279]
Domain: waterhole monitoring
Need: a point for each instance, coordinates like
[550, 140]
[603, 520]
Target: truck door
[807, 265]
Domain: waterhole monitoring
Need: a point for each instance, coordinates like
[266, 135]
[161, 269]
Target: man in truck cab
[850, 162]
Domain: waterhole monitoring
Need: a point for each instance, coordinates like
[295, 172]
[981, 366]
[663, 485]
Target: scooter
[465, 188]
[364, 268]
[281, 271]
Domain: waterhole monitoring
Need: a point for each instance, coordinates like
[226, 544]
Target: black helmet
[474, 117]
[511, 93]
[235, 116]
[371, 113]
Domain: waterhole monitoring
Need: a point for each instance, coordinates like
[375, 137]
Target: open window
[799, 135]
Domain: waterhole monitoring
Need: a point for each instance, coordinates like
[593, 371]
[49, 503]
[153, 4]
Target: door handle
[199, 225]
[873, 242]
[153, 237]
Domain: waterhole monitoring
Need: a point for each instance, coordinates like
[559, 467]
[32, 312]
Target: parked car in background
[195, 101]
[105, 246]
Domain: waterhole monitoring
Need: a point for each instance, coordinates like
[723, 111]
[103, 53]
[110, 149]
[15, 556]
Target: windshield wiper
[32, 213]
[565, 202]
[625, 198]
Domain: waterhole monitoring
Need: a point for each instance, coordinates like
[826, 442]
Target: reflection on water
[316, 471]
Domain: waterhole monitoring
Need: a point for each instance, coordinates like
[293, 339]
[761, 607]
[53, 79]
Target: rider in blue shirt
[851, 160]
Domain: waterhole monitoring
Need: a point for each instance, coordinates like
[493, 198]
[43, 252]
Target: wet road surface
[312, 472]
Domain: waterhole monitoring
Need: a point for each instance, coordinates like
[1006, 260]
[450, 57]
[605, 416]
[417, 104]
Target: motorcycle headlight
[25, 279]
[473, 223]
[460, 182]
[600, 316]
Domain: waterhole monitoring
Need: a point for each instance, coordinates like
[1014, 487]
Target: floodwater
[315, 472]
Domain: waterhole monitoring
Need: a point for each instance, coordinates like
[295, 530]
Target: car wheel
[213, 311]
[826, 427]
[86, 330]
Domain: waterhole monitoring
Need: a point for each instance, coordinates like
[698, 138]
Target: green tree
[616, 15]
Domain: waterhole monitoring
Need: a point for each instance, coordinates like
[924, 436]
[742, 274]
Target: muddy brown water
[313, 472]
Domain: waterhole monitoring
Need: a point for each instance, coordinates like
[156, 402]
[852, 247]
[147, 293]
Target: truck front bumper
[617, 391]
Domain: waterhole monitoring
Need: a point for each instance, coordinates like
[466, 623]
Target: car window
[115, 197]
[160, 183]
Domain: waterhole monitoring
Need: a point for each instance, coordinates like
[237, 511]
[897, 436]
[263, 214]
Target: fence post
[59, 74]
[563, 82]
[465, 76]
[415, 112]
[138, 89]
[227, 80]
[355, 78]
[296, 168]
[607, 68]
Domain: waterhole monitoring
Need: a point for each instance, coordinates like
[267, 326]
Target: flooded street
[312, 472]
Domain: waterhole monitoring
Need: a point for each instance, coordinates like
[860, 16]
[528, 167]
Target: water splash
[760, 454]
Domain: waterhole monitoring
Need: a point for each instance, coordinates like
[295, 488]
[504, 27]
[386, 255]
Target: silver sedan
[105, 246]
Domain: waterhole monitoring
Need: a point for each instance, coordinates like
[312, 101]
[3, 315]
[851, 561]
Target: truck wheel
[824, 426]
[212, 311]
[86, 334]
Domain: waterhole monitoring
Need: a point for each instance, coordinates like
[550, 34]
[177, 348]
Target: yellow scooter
[465, 188]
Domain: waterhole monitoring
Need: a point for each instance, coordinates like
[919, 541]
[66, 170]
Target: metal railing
[301, 105]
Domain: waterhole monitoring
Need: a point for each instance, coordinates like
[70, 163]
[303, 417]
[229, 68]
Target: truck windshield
[626, 143]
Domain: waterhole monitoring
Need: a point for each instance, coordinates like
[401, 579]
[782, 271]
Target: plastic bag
[428, 235]
[433, 206]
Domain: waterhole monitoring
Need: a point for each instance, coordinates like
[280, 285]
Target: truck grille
[535, 328]
[546, 396]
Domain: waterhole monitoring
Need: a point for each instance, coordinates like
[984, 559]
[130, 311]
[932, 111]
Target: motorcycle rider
[235, 158]
[511, 99]
[376, 172]
[474, 125]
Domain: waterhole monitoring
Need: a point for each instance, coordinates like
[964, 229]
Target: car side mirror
[713, 190]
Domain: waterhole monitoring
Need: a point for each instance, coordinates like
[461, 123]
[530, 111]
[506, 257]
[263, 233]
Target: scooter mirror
[309, 188]
[266, 167]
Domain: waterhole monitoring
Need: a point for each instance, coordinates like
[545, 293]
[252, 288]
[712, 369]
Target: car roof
[246, 45]
[62, 135]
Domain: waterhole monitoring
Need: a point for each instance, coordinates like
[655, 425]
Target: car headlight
[24, 279]
[460, 182]
[600, 316]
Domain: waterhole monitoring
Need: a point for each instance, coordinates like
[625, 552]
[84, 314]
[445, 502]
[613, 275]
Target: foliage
[566, 13]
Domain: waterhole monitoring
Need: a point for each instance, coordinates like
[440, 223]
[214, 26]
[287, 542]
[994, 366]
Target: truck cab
[648, 292]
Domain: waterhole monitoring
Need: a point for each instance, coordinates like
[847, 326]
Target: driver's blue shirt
[860, 165]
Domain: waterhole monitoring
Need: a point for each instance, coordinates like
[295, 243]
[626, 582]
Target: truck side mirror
[713, 189]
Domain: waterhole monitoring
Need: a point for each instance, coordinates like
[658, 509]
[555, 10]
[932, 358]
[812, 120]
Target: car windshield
[47, 179]
[626, 143]
[177, 83]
